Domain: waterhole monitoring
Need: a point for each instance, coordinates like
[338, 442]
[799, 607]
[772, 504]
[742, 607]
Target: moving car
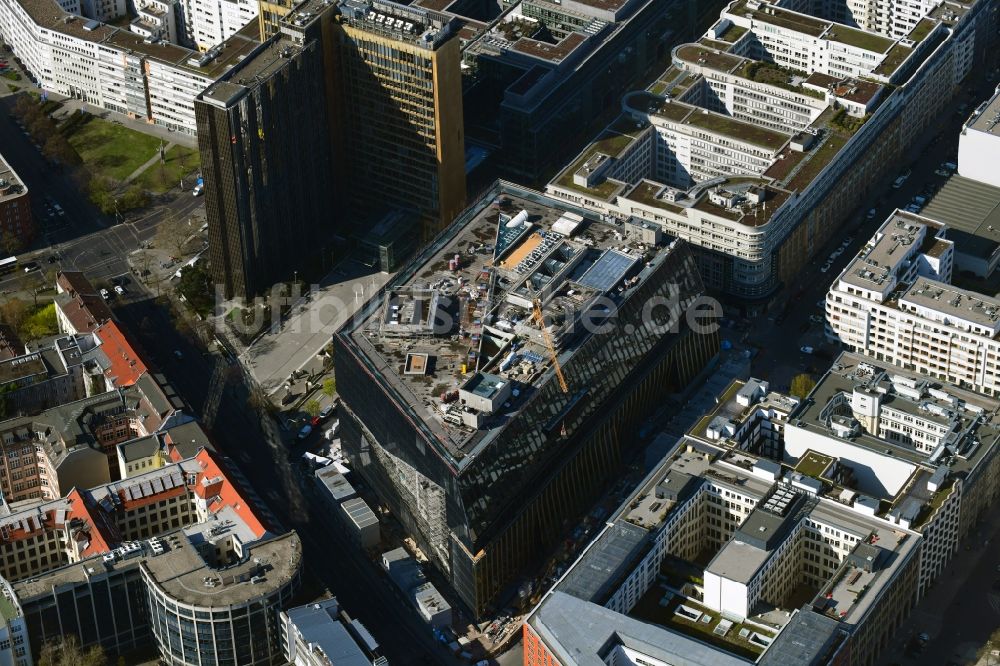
[198, 189]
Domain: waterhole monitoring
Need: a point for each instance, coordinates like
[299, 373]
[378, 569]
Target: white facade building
[210, 22]
[979, 143]
[895, 303]
[156, 19]
[116, 69]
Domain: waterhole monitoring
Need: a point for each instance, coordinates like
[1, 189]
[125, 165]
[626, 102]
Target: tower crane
[548, 343]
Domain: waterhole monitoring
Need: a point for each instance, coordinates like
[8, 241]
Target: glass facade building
[485, 513]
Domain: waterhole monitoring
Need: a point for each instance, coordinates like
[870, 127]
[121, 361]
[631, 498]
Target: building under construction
[491, 389]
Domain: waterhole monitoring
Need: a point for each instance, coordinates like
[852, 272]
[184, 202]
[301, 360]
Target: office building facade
[267, 164]
[513, 442]
[400, 126]
[175, 559]
[678, 156]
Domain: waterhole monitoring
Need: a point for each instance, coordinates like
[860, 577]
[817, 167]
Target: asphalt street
[81, 237]
[215, 390]
[780, 338]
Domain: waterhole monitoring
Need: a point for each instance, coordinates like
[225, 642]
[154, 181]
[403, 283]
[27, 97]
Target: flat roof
[324, 632]
[971, 210]
[606, 562]
[551, 272]
[11, 185]
[853, 370]
[579, 632]
[878, 265]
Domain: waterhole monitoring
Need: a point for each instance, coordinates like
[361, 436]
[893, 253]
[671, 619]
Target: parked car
[806, 349]
[898, 183]
[941, 172]
[825, 267]
[120, 290]
[30, 267]
[305, 431]
[816, 319]
[198, 189]
[326, 411]
[178, 355]
[104, 294]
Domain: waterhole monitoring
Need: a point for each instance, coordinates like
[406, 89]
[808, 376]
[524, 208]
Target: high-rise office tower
[401, 128]
[270, 14]
[263, 134]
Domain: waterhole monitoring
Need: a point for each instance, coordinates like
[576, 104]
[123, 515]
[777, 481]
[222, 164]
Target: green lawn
[112, 150]
[180, 162]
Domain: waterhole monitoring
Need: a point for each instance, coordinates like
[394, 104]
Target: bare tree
[172, 234]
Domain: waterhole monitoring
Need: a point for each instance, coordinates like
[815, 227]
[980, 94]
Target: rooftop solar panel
[606, 272]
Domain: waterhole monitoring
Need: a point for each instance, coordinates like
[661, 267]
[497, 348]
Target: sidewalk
[148, 163]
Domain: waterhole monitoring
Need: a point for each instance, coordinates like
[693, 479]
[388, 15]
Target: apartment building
[209, 23]
[896, 303]
[492, 463]
[75, 444]
[79, 307]
[920, 452]
[176, 559]
[775, 535]
[115, 69]
[979, 142]
[408, 155]
[322, 634]
[761, 135]
[17, 223]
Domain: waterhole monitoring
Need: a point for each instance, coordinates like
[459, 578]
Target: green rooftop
[896, 56]
[737, 129]
[817, 161]
[697, 54]
[921, 30]
[645, 193]
[868, 41]
[813, 464]
[7, 609]
[610, 144]
[733, 33]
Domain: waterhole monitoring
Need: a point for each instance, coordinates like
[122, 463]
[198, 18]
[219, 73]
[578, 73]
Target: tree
[329, 387]
[9, 242]
[173, 234]
[14, 312]
[68, 652]
[133, 198]
[312, 408]
[801, 385]
[100, 194]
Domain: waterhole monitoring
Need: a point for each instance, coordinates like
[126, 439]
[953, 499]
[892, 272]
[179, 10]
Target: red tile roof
[94, 529]
[126, 366]
[85, 310]
[209, 485]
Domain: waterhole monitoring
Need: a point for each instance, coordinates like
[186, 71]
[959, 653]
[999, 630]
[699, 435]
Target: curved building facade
[204, 625]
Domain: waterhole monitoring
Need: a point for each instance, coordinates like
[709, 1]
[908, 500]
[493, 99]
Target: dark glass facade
[263, 135]
[520, 490]
[108, 608]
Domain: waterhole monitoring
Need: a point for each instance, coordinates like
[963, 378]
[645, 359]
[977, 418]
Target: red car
[314, 422]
